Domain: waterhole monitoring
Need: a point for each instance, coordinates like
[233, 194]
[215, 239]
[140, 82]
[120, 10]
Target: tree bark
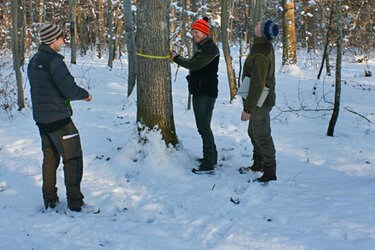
[73, 30]
[325, 50]
[130, 43]
[226, 49]
[21, 30]
[94, 32]
[336, 106]
[41, 12]
[258, 12]
[154, 92]
[289, 33]
[100, 28]
[16, 52]
[110, 32]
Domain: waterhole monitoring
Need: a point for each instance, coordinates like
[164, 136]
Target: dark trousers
[203, 107]
[65, 143]
[259, 131]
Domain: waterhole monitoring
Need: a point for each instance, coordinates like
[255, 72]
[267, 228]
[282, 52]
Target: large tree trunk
[130, 43]
[73, 30]
[336, 106]
[16, 52]
[226, 49]
[154, 92]
[289, 33]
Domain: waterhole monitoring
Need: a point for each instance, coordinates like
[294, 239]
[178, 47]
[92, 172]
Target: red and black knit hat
[202, 25]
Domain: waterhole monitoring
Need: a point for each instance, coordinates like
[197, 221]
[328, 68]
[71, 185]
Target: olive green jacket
[260, 67]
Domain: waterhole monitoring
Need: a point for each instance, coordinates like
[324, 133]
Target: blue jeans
[203, 107]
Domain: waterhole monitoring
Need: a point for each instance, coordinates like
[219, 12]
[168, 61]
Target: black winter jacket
[203, 68]
[51, 86]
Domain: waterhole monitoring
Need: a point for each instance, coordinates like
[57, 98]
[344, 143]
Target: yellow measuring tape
[156, 57]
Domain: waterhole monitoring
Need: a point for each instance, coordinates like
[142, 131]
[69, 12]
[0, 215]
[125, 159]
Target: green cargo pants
[259, 131]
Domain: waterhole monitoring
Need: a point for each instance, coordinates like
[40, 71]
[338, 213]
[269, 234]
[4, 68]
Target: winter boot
[75, 205]
[204, 169]
[268, 175]
[51, 204]
[257, 165]
[215, 158]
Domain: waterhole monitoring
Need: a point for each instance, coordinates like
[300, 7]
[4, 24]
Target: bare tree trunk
[31, 13]
[183, 39]
[173, 24]
[41, 12]
[110, 32]
[258, 12]
[250, 26]
[336, 106]
[100, 28]
[120, 32]
[21, 29]
[325, 52]
[130, 43]
[309, 24]
[226, 49]
[73, 30]
[93, 34]
[115, 30]
[183, 43]
[154, 91]
[289, 33]
[16, 52]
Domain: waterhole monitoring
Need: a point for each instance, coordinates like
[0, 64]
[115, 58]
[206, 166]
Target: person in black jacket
[52, 89]
[203, 83]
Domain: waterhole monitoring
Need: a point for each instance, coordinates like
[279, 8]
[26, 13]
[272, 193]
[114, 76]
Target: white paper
[244, 88]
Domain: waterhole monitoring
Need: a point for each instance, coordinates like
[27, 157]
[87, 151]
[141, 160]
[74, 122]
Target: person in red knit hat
[203, 83]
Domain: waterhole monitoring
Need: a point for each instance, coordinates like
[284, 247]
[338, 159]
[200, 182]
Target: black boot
[257, 165]
[215, 158]
[51, 204]
[268, 175]
[202, 160]
[204, 169]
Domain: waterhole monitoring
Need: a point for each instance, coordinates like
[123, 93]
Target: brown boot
[268, 175]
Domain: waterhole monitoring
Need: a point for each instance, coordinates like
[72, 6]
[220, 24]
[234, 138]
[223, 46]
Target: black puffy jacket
[51, 86]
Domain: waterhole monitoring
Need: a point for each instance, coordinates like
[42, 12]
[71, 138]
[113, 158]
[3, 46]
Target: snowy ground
[149, 199]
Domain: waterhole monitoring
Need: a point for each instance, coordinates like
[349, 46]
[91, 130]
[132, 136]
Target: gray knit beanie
[49, 33]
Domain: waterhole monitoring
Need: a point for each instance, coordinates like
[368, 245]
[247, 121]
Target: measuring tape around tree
[155, 57]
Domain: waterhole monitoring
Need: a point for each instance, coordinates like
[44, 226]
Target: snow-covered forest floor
[149, 199]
